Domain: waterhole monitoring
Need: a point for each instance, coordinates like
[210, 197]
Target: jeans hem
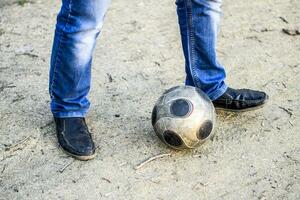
[216, 94]
[69, 114]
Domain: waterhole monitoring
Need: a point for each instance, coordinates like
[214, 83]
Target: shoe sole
[242, 110]
[239, 111]
[81, 158]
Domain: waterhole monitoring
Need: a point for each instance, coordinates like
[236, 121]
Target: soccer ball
[183, 117]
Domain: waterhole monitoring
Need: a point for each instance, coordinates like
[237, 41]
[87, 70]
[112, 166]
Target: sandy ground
[254, 155]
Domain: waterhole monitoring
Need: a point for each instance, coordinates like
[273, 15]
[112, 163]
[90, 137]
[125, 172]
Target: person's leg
[199, 24]
[78, 25]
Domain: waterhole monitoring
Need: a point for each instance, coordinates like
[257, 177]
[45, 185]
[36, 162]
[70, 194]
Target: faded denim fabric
[79, 22]
[199, 25]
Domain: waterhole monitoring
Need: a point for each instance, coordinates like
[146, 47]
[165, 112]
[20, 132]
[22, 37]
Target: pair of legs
[78, 25]
[79, 22]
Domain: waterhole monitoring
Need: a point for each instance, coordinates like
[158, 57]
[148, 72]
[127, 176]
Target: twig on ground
[294, 66]
[122, 164]
[106, 179]
[19, 98]
[61, 170]
[6, 86]
[17, 146]
[27, 54]
[284, 20]
[11, 150]
[151, 159]
[3, 169]
[254, 38]
[291, 32]
[289, 111]
[110, 79]
[266, 30]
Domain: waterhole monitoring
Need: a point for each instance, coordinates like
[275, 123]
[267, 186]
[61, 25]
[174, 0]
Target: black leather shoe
[240, 100]
[74, 137]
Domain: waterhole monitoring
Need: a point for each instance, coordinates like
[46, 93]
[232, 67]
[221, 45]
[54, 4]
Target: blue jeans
[79, 22]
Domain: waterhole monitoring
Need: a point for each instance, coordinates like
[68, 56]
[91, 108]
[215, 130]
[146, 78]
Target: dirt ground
[254, 155]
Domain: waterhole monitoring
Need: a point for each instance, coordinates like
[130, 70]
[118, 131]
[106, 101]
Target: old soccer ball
[183, 117]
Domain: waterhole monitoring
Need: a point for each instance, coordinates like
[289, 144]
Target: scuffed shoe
[74, 137]
[240, 100]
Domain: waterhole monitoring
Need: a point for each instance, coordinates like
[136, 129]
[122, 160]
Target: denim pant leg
[199, 24]
[78, 25]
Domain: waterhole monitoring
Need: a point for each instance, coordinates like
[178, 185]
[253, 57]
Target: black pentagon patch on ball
[180, 108]
[154, 116]
[205, 130]
[172, 138]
